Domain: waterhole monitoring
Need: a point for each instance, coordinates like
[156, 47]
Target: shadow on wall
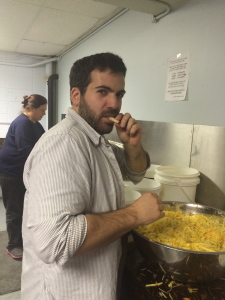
[208, 193]
[1, 142]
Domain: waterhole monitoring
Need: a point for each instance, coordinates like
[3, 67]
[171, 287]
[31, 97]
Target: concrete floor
[15, 295]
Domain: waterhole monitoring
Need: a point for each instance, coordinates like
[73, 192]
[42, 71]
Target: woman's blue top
[20, 140]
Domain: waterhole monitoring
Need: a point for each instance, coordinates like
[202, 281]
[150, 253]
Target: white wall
[16, 82]
[196, 27]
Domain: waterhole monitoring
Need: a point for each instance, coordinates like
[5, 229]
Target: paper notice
[177, 77]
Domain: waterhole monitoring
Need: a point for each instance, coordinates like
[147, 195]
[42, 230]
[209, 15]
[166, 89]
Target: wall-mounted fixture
[52, 99]
[156, 8]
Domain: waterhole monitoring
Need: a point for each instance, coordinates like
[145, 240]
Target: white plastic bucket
[146, 185]
[131, 196]
[178, 183]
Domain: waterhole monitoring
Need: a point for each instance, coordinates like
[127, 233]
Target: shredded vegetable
[191, 231]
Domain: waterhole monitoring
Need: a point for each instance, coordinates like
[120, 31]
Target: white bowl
[145, 186]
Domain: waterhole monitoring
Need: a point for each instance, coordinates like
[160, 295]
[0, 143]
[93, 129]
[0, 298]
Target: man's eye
[103, 92]
[120, 95]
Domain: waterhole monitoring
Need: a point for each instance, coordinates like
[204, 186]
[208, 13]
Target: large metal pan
[184, 265]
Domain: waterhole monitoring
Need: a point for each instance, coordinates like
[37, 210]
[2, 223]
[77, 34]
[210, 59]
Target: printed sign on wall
[177, 77]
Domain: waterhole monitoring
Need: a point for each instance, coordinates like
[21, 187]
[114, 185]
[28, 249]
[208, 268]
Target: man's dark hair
[80, 73]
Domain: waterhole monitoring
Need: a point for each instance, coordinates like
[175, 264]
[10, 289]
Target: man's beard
[95, 121]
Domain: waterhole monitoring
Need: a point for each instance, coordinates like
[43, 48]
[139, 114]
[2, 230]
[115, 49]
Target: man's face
[102, 99]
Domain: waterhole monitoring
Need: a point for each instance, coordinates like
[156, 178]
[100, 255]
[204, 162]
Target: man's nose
[113, 101]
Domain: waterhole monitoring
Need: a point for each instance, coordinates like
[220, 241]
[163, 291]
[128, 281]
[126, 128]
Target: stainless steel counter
[197, 146]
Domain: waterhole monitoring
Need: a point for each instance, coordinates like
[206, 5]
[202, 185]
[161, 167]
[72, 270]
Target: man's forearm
[104, 229]
[136, 158]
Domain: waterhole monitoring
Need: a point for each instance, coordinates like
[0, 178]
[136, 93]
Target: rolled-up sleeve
[57, 239]
[127, 173]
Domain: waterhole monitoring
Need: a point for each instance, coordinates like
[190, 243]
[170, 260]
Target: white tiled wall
[15, 82]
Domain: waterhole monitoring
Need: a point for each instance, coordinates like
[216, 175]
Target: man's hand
[129, 131]
[148, 208]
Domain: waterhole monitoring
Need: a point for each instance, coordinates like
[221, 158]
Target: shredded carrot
[191, 231]
[153, 284]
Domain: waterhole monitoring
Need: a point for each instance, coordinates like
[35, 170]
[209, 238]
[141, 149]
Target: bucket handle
[177, 180]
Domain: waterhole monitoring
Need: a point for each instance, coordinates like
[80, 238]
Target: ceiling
[49, 28]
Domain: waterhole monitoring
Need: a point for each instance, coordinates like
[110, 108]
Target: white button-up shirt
[71, 171]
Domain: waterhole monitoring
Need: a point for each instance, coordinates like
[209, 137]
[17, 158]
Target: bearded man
[74, 212]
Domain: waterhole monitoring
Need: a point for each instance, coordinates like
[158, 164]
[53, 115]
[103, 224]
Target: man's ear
[75, 97]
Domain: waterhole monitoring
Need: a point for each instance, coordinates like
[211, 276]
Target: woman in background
[22, 135]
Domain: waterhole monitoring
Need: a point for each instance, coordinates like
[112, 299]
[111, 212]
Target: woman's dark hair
[33, 101]
[80, 73]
